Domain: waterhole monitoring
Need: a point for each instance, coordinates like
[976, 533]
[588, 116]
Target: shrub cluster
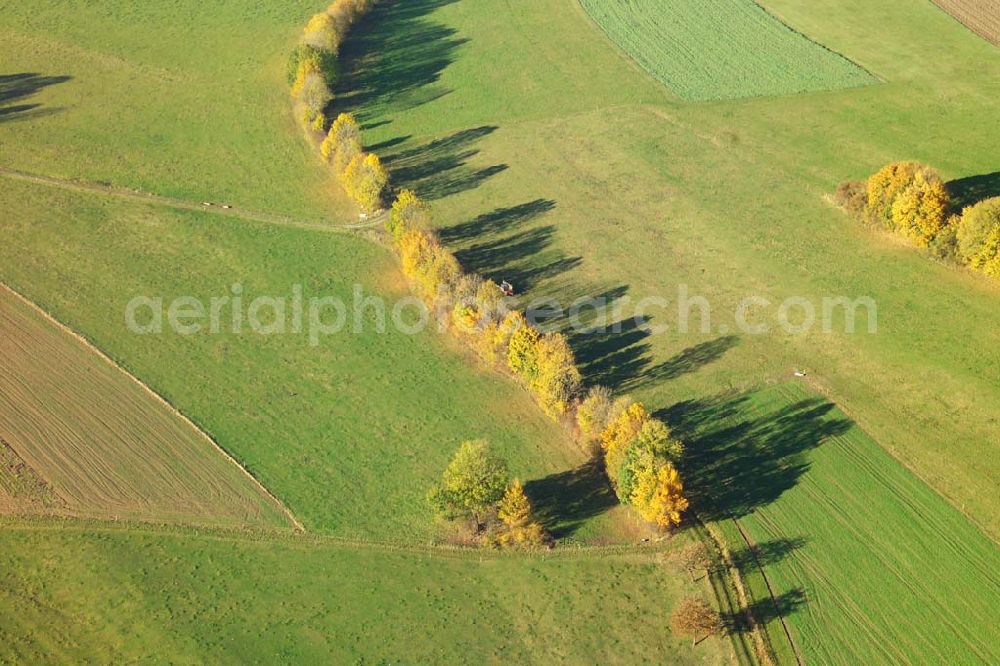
[639, 455]
[912, 200]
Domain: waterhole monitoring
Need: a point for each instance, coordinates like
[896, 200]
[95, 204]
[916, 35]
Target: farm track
[221, 534]
[183, 204]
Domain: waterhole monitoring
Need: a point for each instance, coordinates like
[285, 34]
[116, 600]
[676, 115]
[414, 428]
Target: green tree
[472, 484]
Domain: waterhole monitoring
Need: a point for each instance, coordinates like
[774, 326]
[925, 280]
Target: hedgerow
[478, 310]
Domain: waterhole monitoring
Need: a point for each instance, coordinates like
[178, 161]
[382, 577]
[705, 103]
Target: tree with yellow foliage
[321, 33]
[556, 380]
[516, 513]
[342, 143]
[659, 495]
[919, 212]
[979, 236]
[522, 351]
[620, 433]
[364, 179]
[594, 412]
[885, 185]
[407, 212]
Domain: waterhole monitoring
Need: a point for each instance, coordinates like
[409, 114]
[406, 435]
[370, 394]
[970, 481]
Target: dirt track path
[182, 204]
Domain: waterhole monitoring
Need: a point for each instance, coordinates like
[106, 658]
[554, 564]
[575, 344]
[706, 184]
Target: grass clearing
[722, 49]
[81, 438]
[863, 558]
[213, 599]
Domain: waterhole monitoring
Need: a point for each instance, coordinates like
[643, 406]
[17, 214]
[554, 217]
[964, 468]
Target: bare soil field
[80, 437]
[980, 16]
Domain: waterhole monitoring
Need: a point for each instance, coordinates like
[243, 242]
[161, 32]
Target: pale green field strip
[104, 444]
[200, 598]
[722, 49]
[876, 566]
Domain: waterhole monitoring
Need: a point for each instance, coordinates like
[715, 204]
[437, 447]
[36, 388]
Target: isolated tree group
[911, 199]
[476, 486]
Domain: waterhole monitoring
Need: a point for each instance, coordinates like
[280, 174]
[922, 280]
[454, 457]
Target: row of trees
[911, 199]
[312, 68]
[477, 309]
[361, 174]
[639, 451]
[476, 486]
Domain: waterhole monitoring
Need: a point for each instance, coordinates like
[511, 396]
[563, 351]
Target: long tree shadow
[767, 553]
[687, 361]
[439, 167]
[497, 221]
[765, 610]
[564, 501]
[16, 88]
[525, 258]
[736, 461]
[393, 59]
[968, 191]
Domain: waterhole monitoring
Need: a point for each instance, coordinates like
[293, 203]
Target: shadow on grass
[736, 461]
[620, 356]
[16, 88]
[765, 610]
[564, 501]
[438, 169]
[968, 191]
[767, 553]
[393, 59]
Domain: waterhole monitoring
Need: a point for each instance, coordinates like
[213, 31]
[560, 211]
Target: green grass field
[721, 49]
[120, 596]
[620, 191]
[88, 441]
[351, 433]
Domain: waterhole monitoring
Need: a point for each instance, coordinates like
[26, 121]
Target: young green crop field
[721, 49]
[863, 558]
[100, 445]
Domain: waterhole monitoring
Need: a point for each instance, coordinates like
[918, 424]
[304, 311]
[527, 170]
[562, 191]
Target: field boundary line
[37, 522]
[181, 204]
[752, 547]
[156, 396]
